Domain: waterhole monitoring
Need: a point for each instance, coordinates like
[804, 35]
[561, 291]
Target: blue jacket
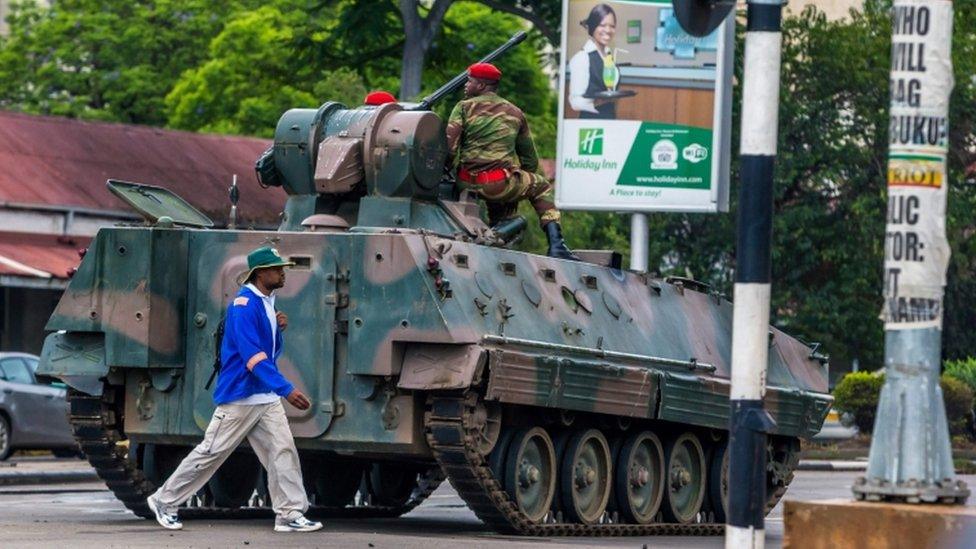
[247, 335]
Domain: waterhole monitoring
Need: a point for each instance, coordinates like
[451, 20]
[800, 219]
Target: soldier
[379, 97]
[489, 139]
[248, 397]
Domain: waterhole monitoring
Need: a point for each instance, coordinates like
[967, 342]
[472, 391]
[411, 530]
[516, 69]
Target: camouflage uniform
[487, 132]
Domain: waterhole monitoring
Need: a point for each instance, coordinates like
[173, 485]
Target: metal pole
[748, 421]
[638, 242]
[234, 196]
[911, 456]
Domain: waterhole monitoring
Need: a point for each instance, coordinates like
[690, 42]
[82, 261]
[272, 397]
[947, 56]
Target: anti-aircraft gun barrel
[460, 79]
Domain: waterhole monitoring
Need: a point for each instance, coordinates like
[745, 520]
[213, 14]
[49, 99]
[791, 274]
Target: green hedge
[963, 370]
[857, 394]
[958, 398]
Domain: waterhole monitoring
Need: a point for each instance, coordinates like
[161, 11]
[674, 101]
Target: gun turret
[459, 80]
[333, 153]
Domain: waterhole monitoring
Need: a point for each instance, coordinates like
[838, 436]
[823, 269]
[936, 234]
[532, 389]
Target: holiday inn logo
[591, 141]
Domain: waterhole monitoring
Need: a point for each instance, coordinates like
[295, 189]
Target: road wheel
[639, 478]
[685, 481]
[559, 441]
[390, 484]
[6, 447]
[332, 483]
[157, 461]
[234, 482]
[496, 459]
[718, 480]
[530, 472]
[584, 477]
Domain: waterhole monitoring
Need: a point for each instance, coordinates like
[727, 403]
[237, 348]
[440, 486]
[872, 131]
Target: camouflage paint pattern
[487, 132]
[404, 301]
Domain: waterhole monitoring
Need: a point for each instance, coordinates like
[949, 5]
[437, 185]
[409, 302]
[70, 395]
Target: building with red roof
[53, 199]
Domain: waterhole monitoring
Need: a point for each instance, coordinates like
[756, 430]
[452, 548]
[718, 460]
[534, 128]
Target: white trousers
[266, 429]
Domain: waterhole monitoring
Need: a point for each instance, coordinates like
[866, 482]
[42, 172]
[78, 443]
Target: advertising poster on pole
[916, 249]
[644, 110]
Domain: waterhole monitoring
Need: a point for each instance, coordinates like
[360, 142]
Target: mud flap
[76, 358]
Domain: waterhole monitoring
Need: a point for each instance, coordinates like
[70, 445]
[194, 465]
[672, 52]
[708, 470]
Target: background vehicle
[33, 412]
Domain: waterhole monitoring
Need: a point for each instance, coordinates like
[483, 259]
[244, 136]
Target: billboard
[644, 110]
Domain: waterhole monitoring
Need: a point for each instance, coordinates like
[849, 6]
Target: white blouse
[579, 77]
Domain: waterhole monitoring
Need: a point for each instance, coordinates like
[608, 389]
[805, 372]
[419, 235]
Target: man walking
[248, 397]
[489, 139]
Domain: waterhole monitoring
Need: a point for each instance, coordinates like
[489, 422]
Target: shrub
[958, 398]
[963, 370]
[857, 394]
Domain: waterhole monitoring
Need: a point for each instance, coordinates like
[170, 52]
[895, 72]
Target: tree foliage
[104, 59]
[422, 22]
[252, 74]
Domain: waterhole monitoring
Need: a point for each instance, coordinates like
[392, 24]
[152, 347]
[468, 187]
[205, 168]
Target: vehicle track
[452, 433]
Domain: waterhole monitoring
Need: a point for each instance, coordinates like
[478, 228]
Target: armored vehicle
[557, 397]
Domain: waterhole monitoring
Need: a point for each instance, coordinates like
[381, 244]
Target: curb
[53, 477]
[818, 465]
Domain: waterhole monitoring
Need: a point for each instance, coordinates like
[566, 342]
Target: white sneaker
[301, 524]
[167, 520]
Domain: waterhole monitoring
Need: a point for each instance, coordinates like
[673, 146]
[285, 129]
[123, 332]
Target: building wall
[835, 9]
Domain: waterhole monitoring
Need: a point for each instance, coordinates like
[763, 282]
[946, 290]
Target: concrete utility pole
[749, 422]
[911, 457]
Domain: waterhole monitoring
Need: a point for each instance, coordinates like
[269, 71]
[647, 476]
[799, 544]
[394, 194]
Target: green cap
[262, 258]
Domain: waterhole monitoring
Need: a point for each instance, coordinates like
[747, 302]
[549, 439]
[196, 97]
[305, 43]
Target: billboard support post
[639, 240]
[749, 421]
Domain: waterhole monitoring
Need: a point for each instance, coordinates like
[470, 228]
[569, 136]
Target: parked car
[33, 412]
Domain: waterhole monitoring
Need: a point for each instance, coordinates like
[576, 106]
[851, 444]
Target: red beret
[485, 71]
[379, 98]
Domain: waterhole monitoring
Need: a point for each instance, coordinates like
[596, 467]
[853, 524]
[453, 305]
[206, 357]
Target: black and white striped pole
[749, 422]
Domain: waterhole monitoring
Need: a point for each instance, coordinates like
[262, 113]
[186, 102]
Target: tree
[421, 30]
[247, 82]
[268, 60]
[105, 59]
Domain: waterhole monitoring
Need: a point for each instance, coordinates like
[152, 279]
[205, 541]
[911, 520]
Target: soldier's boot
[557, 246]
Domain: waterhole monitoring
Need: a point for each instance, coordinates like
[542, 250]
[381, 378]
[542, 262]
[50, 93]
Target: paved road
[86, 515]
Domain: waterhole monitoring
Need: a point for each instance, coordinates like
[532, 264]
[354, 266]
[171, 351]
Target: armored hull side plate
[437, 366]
[574, 384]
[705, 401]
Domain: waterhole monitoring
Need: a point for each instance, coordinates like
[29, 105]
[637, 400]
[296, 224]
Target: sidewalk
[20, 470]
[832, 465]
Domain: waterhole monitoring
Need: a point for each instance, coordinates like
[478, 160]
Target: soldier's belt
[483, 178]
